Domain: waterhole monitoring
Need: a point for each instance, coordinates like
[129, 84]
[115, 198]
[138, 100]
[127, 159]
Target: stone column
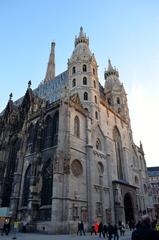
[89, 177]
[110, 187]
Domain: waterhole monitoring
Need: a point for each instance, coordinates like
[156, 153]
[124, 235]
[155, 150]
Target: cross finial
[29, 83]
[10, 96]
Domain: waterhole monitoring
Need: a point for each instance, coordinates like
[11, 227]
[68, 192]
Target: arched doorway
[128, 207]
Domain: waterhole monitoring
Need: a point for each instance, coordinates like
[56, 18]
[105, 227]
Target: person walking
[115, 231]
[82, 228]
[78, 228]
[145, 231]
[100, 229]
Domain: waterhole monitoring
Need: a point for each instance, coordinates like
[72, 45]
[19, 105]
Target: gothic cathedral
[67, 152]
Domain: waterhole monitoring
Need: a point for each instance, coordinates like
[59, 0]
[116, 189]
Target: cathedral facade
[67, 152]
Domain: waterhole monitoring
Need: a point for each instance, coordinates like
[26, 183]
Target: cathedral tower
[83, 76]
[115, 92]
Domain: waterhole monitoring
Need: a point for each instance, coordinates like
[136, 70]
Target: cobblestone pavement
[37, 236]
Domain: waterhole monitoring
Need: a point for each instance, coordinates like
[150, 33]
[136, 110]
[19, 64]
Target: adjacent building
[67, 151]
[153, 174]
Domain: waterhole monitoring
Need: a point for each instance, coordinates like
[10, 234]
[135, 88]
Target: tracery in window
[77, 127]
[26, 186]
[85, 96]
[55, 129]
[119, 153]
[98, 144]
[47, 178]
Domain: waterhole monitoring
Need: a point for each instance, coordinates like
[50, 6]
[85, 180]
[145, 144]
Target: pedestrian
[93, 230]
[110, 231]
[105, 230]
[78, 228]
[145, 231]
[122, 229]
[115, 231]
[82, 228]
[100, 229]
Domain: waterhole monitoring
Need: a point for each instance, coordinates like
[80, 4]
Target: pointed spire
[110, 70]
[10, 96]
[81, 34]
[81, 38]
[29, 84]
[50, 73]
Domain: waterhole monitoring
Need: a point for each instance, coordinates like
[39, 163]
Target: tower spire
[81, 38]
[50, 73]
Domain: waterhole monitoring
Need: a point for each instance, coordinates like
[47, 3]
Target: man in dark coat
[145, 231]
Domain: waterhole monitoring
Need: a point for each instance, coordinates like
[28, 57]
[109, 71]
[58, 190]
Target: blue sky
[125, 31]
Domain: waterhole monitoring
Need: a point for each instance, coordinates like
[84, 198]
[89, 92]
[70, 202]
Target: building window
[95, 99]
[47, 178]
[85, 96]
[73, 70]
[96, 114]
[98, 209]
[55, 129]
[76, 127]
[94, 71]
[26, 187]
[74, 82]
[118, 100]
[98, 144]
[84, 68]
[94, 82]
[119, 153]
[84, 81]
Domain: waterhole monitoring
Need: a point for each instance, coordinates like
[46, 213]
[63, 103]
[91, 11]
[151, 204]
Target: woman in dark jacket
[145, 231]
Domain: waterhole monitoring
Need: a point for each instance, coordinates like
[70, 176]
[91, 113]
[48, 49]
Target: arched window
[74, 82]
[98, 144]
[85, 96]
[118, 100]
[55, 129]
[136, 180]
[100, 173]
[84, 81]
[30, 138]
[47, 178]
[76, 127]
[26, 186]
[94, 71]
[84, 68]
[119, 153]
[47, 132]
[96, 114]
[94, 83]
[9, 172]
[95, 99]
[73, 70]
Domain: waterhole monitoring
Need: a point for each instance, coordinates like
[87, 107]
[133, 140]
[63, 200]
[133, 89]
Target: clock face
[76, 168]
